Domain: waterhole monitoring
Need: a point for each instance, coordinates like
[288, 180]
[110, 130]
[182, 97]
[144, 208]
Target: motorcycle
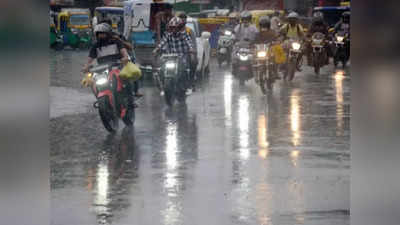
[225, 43]
[111, 94]
[265, 68]
[173, 78]
[342, 44]
[294, 50]
[319, 54]
[243, 59]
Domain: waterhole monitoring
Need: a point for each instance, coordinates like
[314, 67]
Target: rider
[246, 31]
[275, 21]
[344, 23]
[129, 48]
[266, 34]
[193, 61]
[318, 25]
[243, 32]
[176, 41]
[293, 30]
[232, 22]
[107, 50]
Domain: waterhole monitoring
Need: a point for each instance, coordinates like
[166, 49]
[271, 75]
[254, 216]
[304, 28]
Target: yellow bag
[279, 53]
[131, 72]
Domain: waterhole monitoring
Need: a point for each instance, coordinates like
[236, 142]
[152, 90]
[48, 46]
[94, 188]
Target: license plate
[243, 68]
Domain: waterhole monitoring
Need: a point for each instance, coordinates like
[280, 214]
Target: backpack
[297, 26]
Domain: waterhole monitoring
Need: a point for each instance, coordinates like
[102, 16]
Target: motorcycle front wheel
[107, 115]
[169, 92]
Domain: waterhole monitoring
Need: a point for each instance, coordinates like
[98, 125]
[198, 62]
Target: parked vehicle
[112, 101]
[342, 48]
[319, 53]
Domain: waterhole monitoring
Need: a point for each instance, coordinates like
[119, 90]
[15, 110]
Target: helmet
[293, 15]
[246, 15]
[265, 22]
[102, 28]
[175, 24]
[318, 15]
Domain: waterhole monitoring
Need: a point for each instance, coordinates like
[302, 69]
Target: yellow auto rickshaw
[74, 26]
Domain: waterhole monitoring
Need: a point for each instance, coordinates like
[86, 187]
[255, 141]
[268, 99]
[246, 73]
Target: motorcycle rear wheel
[107, 115]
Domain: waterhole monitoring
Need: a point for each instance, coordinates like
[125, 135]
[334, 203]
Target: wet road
[231, 156]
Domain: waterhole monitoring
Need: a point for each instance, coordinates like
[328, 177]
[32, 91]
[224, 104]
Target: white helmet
[293, 15]
[103, 28]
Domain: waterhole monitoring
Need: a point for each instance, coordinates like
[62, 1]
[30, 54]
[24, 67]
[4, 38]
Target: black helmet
[265, 22]
[246, 15]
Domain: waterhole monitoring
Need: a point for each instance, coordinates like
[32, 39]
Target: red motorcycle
[112, 96]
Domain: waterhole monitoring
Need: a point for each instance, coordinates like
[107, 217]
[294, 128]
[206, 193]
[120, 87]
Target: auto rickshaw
[116, 14]
[74, 27]
[55, 39]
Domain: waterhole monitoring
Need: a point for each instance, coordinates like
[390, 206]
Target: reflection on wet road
[230, 156]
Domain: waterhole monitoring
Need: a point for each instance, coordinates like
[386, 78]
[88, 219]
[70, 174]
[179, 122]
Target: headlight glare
[170, 65]
[261, 54]
[296, 45]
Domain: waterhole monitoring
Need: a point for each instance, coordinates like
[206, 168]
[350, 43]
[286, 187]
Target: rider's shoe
[189, 91]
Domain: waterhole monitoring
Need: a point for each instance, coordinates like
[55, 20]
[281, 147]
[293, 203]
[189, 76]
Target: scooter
[225, 43]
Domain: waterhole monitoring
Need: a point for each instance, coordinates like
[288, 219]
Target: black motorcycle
[342, 50]
[265, 68]
[174, 77]
[319, 53]
[242, 62]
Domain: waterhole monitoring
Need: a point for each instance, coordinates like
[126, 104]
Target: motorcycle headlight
[228, 33]
[101, 81]
[244, 57]
[261, 54]
[339, 38]
[170, 65]
[296, 45]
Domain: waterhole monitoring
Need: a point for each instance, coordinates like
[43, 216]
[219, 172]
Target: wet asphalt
[229, 156]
